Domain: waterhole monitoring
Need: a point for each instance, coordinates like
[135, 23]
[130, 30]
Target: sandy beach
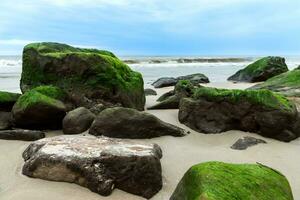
[178, 155]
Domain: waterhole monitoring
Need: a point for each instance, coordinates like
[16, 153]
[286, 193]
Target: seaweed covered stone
[261, 70]
[269, 114]
[7, 100]
[88, 76]
[218, 180]
[40, 108]
[287, 83]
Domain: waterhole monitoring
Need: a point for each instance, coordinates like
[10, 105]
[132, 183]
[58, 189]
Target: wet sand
[178, 155]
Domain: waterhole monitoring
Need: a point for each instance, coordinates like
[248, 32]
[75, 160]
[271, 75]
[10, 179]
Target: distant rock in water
[88, 76]
[212, 110]
[150, 92]
[40, 108]
[245, 142]
[171, 100]
[78, 121]
[169, 81]
[20, 134]
[261, 70]
[100, 164]
[130, 123]
[287, 83]
[7, 100]
[220, 181]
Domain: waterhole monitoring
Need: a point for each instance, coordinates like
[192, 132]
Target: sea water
[217, 69]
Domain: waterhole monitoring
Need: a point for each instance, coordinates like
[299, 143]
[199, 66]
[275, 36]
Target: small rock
[78, 121]
[100, 164]
[129, 123]
[20, 134]
[150, 92]
[245, 142]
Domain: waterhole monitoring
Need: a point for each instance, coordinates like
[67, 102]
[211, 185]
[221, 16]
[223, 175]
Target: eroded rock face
[245, 142]
[263, 112]
[129, 123]
[6, 120]
[100, 164]
[78, 121]
[261, 70]
[20, 134]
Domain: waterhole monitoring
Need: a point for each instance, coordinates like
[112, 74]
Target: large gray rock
[5, 120]
[164, 82]
[129, 123]
[20, 134]
[78, 121]
[213, 110]
[100, 164]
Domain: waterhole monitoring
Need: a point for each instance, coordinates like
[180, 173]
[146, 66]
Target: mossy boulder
[88, 76]
[224, 181]
[261, 70]
[269, 114]
[7, 100]
[40, 108]
[287, 83]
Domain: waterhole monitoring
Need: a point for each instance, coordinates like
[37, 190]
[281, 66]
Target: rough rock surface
[20, 134]
[129, 123]
[261, 111]
[261, 70]
[78, 121]
[169, 81]
[100, 164]
[7, 100]
[39, 108]
[287, 83]
[88, 76]
[183, 89]
[150, 92]
[220, 181]
[245, 142]
[6, 120]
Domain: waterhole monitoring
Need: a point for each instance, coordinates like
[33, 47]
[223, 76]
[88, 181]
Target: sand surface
[178, 155]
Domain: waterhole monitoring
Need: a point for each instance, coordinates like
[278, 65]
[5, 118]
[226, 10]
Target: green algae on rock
[261, 70]
[224, 181]
[40, 108]
[7, 100]
[88, 76]
[287, 83]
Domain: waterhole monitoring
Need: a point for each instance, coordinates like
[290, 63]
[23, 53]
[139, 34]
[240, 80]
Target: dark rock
[183, 89]
[7, 100]
[261, 111]
[130, 123]
[78, 121]
[100, 164]
[245, 142]
[287, 84]
[88, 76]
[39, 109]
[6, 120]
[261, 70]
[20, 134]
[169, 81]
[166, 96]
[220, 181]
[150, 92]
[164, 82]
[96, 109]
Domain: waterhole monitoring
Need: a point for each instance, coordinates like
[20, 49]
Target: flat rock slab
[98, 163]
[245, 142]
[20, 134]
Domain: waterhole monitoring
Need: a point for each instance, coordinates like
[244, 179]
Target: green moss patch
[264, 98]
[222, 181]
[7, 97]
[184, 85]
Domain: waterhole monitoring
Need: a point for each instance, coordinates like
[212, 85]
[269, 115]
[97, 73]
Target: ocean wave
[10, 62]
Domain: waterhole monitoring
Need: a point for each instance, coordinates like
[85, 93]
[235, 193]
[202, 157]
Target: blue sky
[155, 27]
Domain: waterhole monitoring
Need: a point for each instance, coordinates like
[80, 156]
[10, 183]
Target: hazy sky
[155, 27]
